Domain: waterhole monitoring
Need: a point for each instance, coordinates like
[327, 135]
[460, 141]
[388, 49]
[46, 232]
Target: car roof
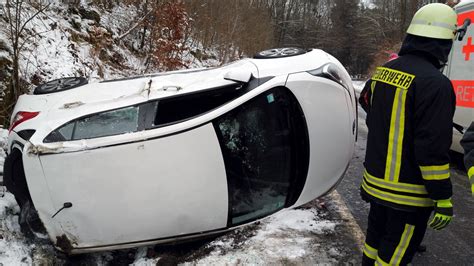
[57, 108]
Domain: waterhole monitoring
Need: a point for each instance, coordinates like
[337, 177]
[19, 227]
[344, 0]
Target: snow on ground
[286, 236]
[3, 139]
[14, 249]
[358, 85]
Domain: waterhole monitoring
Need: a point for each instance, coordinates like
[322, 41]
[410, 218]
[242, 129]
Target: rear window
[120, 121]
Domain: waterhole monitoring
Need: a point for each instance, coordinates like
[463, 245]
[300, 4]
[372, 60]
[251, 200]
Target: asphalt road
[452, 246]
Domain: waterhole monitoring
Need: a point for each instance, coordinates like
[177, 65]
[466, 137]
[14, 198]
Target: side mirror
[239, 75]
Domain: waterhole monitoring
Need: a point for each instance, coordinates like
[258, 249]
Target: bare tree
[18, 15]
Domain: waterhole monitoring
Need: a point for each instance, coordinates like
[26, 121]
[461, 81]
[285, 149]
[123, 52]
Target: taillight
[21, 117]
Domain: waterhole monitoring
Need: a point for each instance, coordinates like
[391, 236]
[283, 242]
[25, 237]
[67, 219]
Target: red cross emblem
[468, 49]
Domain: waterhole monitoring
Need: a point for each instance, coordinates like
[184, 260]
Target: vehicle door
[138, 173]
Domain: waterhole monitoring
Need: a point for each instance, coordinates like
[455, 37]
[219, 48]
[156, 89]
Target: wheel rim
[280, 52]
[60, 84]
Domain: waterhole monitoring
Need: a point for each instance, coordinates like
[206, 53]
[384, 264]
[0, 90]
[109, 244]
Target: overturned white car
[179, 155]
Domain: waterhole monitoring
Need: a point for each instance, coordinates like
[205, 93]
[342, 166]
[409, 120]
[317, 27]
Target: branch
[135, 26]
[20, 46]
[32, 17]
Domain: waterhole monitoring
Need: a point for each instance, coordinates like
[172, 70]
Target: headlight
[330, 71]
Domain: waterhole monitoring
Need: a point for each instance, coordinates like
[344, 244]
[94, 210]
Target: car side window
[177, 109]
[264, 144]
[148, 115]
[114, 122]
[119, 121]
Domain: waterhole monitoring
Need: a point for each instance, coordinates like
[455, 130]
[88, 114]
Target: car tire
[14, 177]
[61, 84]
[15, 181]
[279, 53]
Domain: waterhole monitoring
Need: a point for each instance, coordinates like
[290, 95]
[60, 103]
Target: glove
[443, 214]
[470, 173]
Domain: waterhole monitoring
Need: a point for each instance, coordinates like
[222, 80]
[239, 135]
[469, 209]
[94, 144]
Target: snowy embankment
[13, 248]
[358, 86]
[62, 43]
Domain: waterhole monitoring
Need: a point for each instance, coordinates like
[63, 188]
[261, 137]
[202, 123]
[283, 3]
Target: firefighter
[467, 143]
[410, 106]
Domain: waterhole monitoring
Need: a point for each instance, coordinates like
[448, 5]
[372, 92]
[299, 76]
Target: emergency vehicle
[460, 70]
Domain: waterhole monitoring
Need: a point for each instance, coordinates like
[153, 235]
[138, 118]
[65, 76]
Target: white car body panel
[144, 189]
[329, 155]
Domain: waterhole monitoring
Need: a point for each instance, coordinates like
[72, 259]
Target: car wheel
[61, 84]
[14, 177]
[280, 52]
[30, 223]
[15, 181]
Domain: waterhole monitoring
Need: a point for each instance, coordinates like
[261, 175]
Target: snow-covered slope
[82, 41]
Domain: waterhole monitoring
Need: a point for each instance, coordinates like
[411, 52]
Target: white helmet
[435, 20]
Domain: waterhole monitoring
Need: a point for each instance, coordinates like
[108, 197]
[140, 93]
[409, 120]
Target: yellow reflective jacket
[410, 107]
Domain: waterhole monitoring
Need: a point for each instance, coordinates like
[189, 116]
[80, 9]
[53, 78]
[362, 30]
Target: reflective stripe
[398, 199]
[395, 139]
[370, 251]
[435, 172]
[433, 23]
[395, 186]
[372, 88]
[380, 262]
[434, 167]
[436, 176]
[402, 245]
[470, 173]
[393, 77]
[399, 142]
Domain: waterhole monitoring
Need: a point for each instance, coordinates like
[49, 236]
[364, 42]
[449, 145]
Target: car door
[128, 182]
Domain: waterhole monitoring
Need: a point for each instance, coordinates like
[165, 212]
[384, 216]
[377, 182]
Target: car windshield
[264, 142]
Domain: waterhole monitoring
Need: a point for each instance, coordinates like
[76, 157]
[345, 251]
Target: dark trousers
[393, 235]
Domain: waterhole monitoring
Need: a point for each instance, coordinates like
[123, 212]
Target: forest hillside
[41, 40]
